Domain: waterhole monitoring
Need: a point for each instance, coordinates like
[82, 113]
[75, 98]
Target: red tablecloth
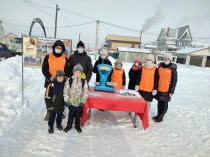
[111, 101]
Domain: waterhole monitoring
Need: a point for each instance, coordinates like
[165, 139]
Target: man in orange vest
[53, 62]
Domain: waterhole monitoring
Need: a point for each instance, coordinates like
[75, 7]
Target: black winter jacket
[164, 96]
[133, 74]
[85, 62]
[95, 69]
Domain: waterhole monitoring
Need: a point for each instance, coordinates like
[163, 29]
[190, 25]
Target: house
[174, 39]
[194, 56]
[129, 54]
[112, 42]
[13, 42]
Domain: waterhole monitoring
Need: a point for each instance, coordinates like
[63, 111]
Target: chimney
[167, 33]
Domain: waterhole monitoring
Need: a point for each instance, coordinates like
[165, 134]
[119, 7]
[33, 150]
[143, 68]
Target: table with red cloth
[111, 101]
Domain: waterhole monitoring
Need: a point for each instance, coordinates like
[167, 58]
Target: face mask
[103, 57]
[80, 50]
[136, 64]
[58, 51]
[149, 62]
[166, 63]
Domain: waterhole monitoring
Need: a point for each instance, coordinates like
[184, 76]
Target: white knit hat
[104, 52]
[150, 57]
[168, 55]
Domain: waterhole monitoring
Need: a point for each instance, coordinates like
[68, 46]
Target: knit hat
[59, 73]
[78, 67]
[104, 51]
[118, 61]
[80, 43]
[137, 60]
[150, 57]
[168, 55]
[59, 43]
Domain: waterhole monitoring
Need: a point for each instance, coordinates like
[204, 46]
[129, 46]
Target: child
[75, 95]
[133, 73]
[147, 80]
[118, 75]
[102, 59]
[54, 100]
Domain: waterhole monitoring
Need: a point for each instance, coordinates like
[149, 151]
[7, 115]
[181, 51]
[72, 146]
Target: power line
[36, 7]
[39, 4]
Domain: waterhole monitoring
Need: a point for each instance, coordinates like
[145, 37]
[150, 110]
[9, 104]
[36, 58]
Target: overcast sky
[150, 16]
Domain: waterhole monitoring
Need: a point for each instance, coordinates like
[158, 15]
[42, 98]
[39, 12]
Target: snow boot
[154, 118]
[60, 128]
[50, 129]
[78, 128]
[67, 128]
[47, 116]
[159, 118]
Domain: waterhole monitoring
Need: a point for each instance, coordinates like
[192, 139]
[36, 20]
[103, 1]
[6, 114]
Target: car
[7, 53]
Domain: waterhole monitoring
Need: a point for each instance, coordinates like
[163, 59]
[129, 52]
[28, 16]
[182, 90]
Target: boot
[159, 118]
[78, 128]
[47, 116]
[154, 118]
[67, 128]
[50, 129]
[60, 128]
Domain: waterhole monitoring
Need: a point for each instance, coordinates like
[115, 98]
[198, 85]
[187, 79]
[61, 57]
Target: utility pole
[140, 39]
[1, 31]
[56, 14]
[96, 45]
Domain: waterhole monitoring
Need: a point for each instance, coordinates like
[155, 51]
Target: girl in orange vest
[118, 75]
[166, 85]
[147, 80]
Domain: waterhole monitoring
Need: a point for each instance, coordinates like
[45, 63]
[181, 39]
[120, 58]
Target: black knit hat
[80, 43]
[59, 43]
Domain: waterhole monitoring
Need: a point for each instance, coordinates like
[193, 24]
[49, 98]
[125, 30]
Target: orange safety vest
[117, 76]
[164, 79]
[56, 63]
[147, 79]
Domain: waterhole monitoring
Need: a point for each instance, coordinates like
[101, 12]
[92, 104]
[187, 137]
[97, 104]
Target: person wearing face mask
[166, 85]
[133, 73]
[81, 57]
[147, 80]
[53, 62]
[102, 59]
[118, 75]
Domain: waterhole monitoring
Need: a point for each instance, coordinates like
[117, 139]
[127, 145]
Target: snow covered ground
[184, 132]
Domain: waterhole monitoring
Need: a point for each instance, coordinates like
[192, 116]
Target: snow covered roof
[189, 50]
[133, 50]
[150, 46]
[171, 47]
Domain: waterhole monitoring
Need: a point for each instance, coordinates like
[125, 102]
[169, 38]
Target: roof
[122, 38]
[189, 50]
[151, 46]
[125, 49]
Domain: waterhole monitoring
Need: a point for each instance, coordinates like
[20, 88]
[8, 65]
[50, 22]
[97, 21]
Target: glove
[81, 104]
[67, 104]
[137, 88]
[50, 108]
[52, 78]
[154, 92]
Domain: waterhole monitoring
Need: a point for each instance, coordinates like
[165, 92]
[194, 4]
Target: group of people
[67, 81]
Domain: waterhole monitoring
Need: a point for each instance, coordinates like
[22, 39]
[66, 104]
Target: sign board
[36, 48]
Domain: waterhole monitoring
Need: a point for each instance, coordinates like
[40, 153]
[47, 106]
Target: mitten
[67, 104]
[137, 88]
[52, 78]
[154, 92]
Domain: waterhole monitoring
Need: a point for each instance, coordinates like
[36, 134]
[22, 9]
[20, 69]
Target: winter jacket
[54, 97]
[76, 94]
[144, 82]
[95, 69]
[85, 62]
[53, 63]
[171, 71]
[133, 74]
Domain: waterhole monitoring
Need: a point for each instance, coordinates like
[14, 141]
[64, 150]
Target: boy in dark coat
[54, 100]
[133, 73]
[102, 59]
